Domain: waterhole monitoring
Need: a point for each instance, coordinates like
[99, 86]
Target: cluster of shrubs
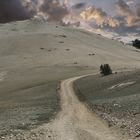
[105, 69]
[136, 43]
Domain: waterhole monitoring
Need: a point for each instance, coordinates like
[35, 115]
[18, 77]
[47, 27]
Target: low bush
[136, 43]
[105, 69]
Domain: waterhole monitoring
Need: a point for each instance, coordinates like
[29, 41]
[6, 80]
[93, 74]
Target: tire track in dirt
[76, 121]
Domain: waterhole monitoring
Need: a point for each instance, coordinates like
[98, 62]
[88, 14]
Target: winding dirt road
[75, 121]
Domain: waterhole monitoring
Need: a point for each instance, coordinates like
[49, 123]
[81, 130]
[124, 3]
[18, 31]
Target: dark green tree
[136, 43]
[105, 69]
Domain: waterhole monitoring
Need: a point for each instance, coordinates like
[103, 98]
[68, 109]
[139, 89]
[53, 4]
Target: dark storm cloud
[125, 11]
[79, 5]
[54, 10]
[125, 30]
[12, 10]
[138, 9]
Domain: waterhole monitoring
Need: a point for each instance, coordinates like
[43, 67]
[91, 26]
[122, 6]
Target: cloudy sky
[119, 16]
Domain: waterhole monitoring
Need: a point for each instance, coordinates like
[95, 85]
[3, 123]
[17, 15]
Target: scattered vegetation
[75, 62]
[49, 50]
[136, 43]
[63, 36]
[67, 49]
[105, 69]
[61, 42]
[91, 54]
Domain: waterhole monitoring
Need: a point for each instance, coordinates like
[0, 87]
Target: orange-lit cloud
[130, 17]
[100, 17]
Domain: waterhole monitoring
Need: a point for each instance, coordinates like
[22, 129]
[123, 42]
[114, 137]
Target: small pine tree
[105, 69]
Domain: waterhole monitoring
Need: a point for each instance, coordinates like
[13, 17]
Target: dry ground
[35, 57]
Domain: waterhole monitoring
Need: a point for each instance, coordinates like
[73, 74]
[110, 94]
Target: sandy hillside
[35, 57]
[33, 43]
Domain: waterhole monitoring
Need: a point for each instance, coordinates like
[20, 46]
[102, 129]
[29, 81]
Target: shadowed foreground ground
[115, 98]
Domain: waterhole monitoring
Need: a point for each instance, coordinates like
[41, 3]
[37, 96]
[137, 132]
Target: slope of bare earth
[35, 57]
[115, 98]
[74, 122]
